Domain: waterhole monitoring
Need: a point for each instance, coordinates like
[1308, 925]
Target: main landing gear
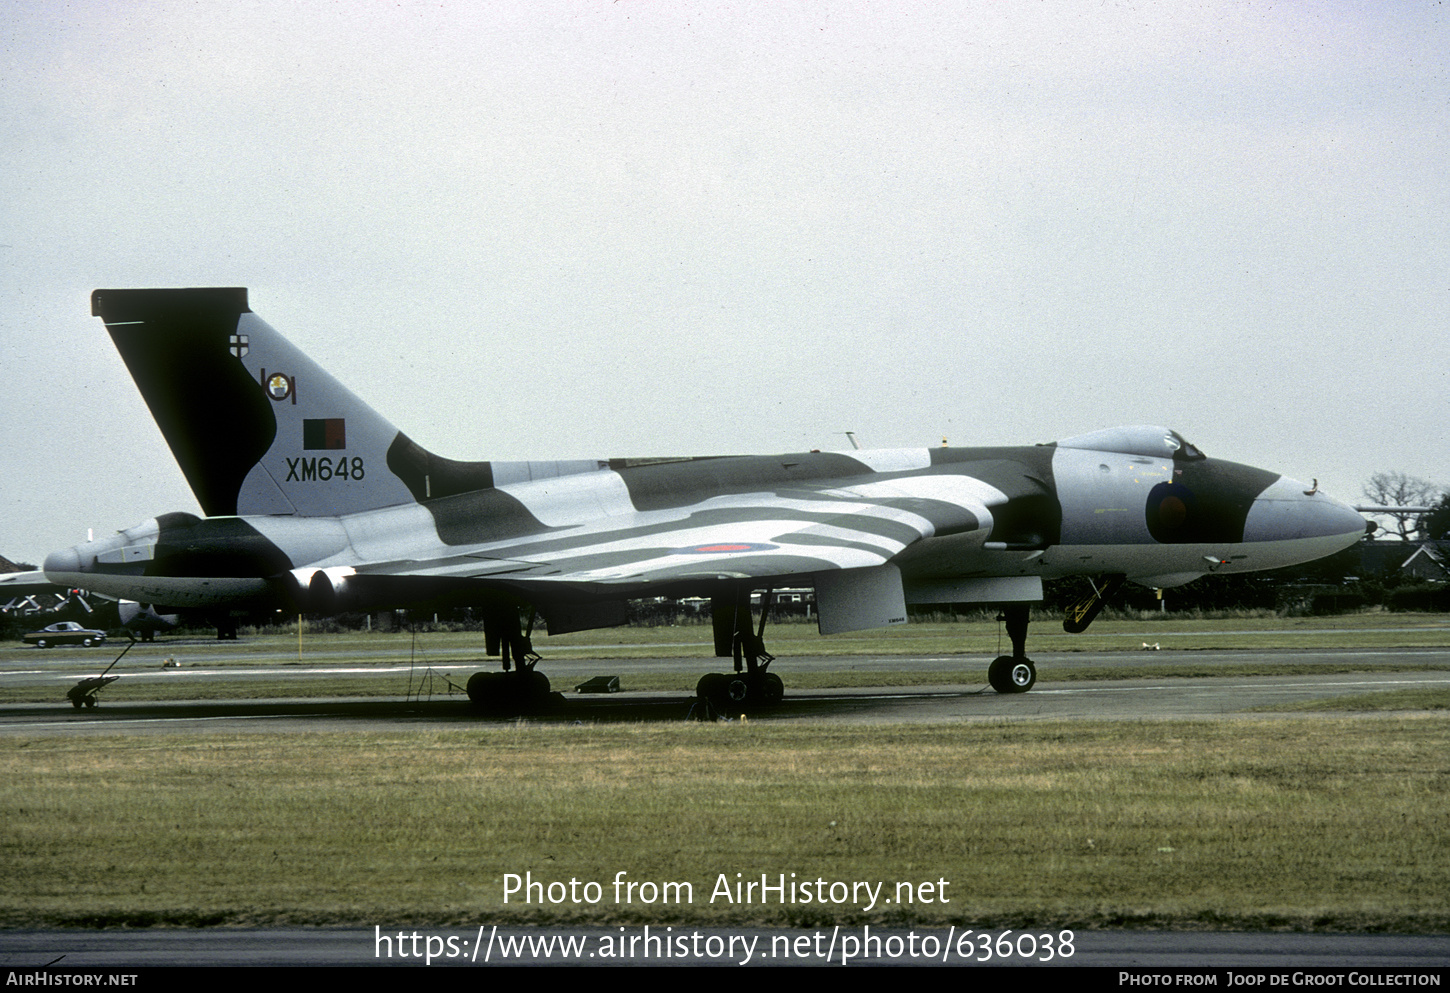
[750, 686]
[740, 691]
[519, 688]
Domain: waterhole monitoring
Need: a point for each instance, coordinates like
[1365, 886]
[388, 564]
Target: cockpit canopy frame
[1150, 440]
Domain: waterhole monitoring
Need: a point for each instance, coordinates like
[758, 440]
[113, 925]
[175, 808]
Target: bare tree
[1395, 489]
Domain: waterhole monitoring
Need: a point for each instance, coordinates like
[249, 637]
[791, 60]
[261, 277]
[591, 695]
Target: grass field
[1384, 700]
[1325, 822]
[1319, 824]
[986, 637]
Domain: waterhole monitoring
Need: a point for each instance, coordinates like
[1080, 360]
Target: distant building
[1428, 562]
[1424, 560]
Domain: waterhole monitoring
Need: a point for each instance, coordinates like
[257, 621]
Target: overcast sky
[538, 230]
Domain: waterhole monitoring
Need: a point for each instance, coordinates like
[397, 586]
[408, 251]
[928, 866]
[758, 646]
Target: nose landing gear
[1011, 675]
[1014, 673]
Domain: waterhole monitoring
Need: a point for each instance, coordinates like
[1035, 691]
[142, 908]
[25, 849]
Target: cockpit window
[1186, 448]
[1139, 439]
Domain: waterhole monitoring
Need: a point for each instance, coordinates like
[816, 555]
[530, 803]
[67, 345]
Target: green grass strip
[1383, 700]
[1335, 824]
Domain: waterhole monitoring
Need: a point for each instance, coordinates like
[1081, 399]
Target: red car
[65, 633]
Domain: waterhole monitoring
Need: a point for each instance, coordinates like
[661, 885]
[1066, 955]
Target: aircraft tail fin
[256, 426]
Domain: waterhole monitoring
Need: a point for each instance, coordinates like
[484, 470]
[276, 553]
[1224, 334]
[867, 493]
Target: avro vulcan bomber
[314, 502]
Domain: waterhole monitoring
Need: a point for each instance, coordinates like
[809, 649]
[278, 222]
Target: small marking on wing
[729, 546]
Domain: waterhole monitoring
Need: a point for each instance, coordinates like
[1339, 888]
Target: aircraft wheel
[708, 686]
[737, 690]
[480, 686]
[772, 689]
[726, 693]
[1012, 675]
[501, 692]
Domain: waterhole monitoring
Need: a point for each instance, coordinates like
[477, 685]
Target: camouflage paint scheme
[315, 501]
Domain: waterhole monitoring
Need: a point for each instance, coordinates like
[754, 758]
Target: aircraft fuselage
[1069, 511]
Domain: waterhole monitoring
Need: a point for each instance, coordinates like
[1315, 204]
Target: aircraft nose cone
[1290, 510]
[66, 560]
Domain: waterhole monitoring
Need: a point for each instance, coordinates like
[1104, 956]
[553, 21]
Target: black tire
[1012, 675]
[86, 642]
[90, 701]
[708, 688]
[509, 692]
[481, 688]
[734, 693]
[727, 693]
[737, 691]
[41, 643]
[772, 689]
